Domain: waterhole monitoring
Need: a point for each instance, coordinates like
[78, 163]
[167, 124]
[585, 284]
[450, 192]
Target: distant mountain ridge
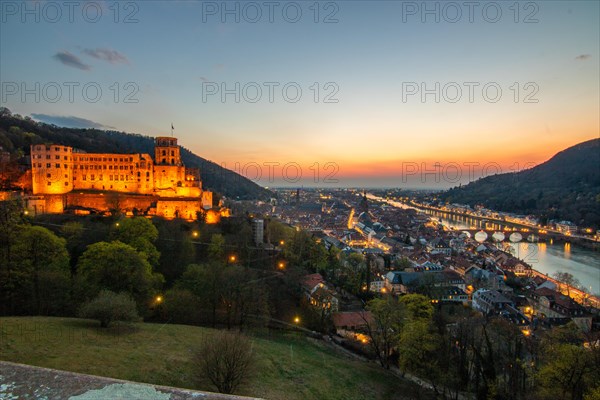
[18, 133]
[566, 187]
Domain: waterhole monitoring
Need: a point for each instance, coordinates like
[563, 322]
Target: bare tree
[225, 359]
[566, 279]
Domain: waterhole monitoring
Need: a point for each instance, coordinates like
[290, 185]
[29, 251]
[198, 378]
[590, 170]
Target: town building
[490, 301]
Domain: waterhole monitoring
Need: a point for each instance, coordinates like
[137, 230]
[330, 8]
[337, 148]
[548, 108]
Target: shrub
[225, 359]
[108, 307]
[181, 307]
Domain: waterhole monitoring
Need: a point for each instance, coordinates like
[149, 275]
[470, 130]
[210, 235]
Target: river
[547, 258]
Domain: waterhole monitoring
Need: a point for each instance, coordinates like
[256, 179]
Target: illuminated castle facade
[163, 186]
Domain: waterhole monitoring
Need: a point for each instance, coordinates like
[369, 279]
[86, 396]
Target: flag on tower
[172, 129]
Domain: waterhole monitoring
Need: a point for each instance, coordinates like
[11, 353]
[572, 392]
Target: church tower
[166, 151]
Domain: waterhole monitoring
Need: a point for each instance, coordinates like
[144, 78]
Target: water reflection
[549, 258]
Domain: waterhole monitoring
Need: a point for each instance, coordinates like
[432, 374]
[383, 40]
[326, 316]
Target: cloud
[109, 55]
[583, 57]
[71, 60]
[69, 122]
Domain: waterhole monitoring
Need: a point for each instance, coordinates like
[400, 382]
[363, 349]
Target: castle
[63, 177]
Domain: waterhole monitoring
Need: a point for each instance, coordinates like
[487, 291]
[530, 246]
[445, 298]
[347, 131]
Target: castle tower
[51, 169]
[166, 151]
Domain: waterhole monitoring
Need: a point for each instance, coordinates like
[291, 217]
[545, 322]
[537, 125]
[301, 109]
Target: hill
[289, 366]
[18, 133]
[566, 187]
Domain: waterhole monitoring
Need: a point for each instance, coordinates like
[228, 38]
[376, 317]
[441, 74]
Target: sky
[331, 93]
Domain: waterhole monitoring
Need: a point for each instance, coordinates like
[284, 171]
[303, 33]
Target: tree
[206, 281]
[140, 233]
[567, 279]
[403, 263]
[181, 306]
[10, 218]
[216, 248]
[73, 231]
[384, 326]
[226, 360]
[118, 267]
[108, 307]
[565, 372]
[43, 266]
[417, 342]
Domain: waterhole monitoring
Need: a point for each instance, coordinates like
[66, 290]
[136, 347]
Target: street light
[158, 299]
[195, 234]
[296, 320]
[232, 258]
[281, 265]
[281, 242]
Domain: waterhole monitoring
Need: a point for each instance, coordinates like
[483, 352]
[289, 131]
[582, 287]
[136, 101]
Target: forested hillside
[17, 133]
[565, 187]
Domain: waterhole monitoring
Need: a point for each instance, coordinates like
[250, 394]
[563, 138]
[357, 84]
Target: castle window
[47, 156]
[172, 153]
[38, 148]
[66, 183]
[57, 157]
[147, 174]
[49, 183]
[100, 177]
[57, 148]
[66, 158]
[110, 178]
[93, 177]
[66, 176]
[57, 165]
[48, 175]
[164, 152]
[164, 161]
[84, 177]
[65, 166]
[40, 165]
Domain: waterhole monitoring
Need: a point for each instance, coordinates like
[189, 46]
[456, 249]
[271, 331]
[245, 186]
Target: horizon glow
[172, 56]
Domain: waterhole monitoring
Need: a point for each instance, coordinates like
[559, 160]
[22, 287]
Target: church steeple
[364, 203]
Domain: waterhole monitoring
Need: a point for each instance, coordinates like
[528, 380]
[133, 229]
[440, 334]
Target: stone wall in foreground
[19, 381]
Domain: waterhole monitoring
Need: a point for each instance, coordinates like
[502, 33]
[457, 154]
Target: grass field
[289, 366]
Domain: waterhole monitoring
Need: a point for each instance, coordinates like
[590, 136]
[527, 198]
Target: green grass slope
[289, 366]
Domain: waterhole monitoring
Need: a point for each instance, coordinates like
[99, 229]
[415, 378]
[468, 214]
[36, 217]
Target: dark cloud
[109, 55]
[71, 60]
[583, 57]
[69, 122]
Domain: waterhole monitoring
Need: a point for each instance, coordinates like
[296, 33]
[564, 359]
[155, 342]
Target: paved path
[19, 381]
